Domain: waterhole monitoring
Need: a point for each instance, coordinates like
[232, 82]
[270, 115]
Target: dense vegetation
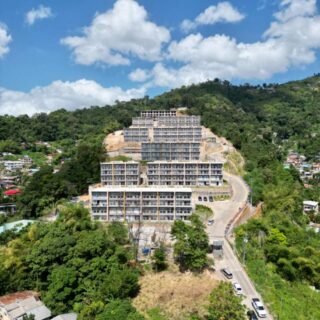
[191, 244]
[75, 264]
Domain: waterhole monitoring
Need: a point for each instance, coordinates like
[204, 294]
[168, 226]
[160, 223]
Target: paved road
[224, 211]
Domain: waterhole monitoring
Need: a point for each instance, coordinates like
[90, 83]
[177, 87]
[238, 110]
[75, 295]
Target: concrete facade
[141, 122]
[180, 173]
[140, 204]
[158, 113]
[177, 134]
[170, 151]
[136, 134]
[118, 173]
[180, 121]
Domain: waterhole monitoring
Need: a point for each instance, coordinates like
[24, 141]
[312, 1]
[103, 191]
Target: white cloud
[5, 39]
[117, 34]
[222, 12]
[40, 13]
[68, 95]
[296, 8]
[139, 75]
[291, 41]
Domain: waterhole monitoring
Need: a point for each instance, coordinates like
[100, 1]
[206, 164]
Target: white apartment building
[158, 113]
[177, 134]
[154, 151]
[140, 203]
[119, 173]
[192, 173]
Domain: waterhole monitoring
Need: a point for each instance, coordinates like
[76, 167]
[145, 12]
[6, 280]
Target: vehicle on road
[227, 273]
[237, 288]
[252, 315]
[210, 222]
[258, 306]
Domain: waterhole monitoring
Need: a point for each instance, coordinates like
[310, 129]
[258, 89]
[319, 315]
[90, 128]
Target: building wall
[136, 134]
[185, 173]
[180, 121]
[140, 122]
[158, 113]
[177, 134]
[170, 151]
[117, 173]
[144, 204]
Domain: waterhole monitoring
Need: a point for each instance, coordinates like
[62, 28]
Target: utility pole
[245, 240]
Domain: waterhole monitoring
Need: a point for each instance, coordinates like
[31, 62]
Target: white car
[237, 288]
[258, 306]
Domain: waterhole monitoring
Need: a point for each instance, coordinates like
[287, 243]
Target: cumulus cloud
[291, 40]
[68, 95]
[222, 12]
[139, 75]
[117, 34]
[40, 13]
[5, 39]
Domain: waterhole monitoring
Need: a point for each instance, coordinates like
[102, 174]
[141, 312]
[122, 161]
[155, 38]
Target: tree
[224, 304]
[191, 244]
[159, 259]
[119, 310]
[29, 317]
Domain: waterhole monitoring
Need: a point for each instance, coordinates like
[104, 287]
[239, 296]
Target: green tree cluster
[75, 264]
[191, 244]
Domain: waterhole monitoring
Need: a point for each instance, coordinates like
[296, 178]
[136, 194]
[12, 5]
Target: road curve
[224, 211]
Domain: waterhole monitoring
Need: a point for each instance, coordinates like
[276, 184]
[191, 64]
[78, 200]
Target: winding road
[224, 211]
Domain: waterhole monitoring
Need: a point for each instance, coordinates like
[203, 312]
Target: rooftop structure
[66, 316]
[158, 113]
[118, 173]
[170, 151]
[309, 206]
[140, 204]
[191, 173]
[16, 305]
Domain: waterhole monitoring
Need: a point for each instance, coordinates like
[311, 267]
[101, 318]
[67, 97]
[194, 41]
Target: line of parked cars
[256, 303]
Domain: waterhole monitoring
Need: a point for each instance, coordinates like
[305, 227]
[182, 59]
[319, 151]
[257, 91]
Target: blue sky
[75, 53]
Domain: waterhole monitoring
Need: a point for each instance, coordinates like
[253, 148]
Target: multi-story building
[158, 113]
[175, 134]
[170, 151]
[140, 203]
[136, 134]
[118, 173]
[180, 121]
[193, 173]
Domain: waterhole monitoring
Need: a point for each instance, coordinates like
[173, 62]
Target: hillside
[262, 122]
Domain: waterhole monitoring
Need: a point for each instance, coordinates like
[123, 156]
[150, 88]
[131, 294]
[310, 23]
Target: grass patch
[203, 212]
[174, 295]
[235, 163]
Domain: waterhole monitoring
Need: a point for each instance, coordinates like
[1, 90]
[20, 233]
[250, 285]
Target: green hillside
[263, 123]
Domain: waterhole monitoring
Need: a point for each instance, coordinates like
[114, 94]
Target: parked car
[227, 273]
[259, 308]
[252, 315]
[237, 288]
[210, 222]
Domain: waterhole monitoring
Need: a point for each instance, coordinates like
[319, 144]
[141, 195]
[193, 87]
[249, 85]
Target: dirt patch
[176, 294]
